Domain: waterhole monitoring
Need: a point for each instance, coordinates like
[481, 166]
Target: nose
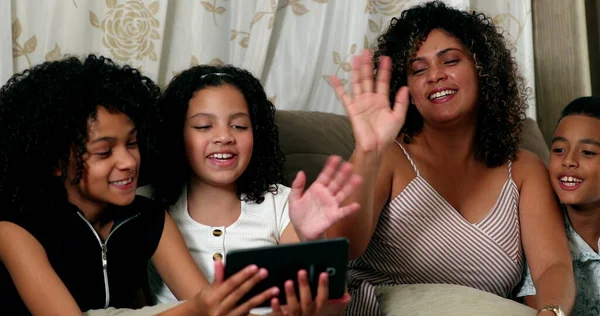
[222, 136]
[570, 160]
[436, 74]
[126, 160]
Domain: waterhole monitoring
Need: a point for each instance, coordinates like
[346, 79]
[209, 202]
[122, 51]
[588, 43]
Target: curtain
[292, 46]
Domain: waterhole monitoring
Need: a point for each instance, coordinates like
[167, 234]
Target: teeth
[441, 94]
[221, 156]
[122, 182]
[570, 180]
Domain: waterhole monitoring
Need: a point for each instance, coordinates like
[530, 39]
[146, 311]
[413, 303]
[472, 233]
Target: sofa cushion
[445, 299]
[308, 138]
[533, 140]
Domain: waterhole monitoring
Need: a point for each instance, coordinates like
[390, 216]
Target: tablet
[283, 262]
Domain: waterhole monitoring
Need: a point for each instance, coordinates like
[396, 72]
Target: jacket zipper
[104, 252]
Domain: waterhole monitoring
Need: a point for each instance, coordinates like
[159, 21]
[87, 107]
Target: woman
[448, 197]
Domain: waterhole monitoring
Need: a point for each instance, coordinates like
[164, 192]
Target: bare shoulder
[399, 168]
[526, 165]
[14, 239]
[395, 159]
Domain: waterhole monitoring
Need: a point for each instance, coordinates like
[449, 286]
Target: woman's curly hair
[45, 113]
[266, 166]
[502, 92]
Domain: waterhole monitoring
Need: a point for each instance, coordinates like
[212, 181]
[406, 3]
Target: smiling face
[442, 79]
[218, 135]
[575, 160]
[111, 163]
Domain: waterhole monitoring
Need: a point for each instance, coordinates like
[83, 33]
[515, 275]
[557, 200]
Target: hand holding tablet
[285, 262]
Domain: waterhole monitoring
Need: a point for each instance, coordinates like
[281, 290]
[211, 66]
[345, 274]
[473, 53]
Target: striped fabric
[421, 238]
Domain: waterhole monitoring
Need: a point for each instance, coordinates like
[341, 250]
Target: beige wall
[562, 64]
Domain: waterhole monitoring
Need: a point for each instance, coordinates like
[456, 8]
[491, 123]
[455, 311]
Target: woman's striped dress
[421, 238]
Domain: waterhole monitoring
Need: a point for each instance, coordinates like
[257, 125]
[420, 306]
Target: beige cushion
[533, 140]
[148, 310]
[445, 299]
[308, 138]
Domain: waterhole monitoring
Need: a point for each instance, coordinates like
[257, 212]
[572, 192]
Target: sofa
[308, 138]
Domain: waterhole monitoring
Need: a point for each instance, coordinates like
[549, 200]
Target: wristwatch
[553, 308]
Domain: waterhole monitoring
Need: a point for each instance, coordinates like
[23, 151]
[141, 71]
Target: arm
[371, 195]
[375, 126]
[543, 235]
[39, 286]
[525, 290]
[175, 265]
[289, 235]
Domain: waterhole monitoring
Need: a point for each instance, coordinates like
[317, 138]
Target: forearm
[358, 226]
[556, 286]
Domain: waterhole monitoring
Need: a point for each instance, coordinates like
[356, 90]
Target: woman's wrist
[551, 310]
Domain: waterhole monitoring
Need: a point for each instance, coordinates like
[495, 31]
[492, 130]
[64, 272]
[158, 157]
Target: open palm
[313, 211]
[374, 123]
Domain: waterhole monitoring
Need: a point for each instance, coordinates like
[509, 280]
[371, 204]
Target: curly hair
[266, 166]
[502, 93]
[45, 113]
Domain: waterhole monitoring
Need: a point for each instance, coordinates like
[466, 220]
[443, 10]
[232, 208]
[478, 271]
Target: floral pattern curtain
[292, 46]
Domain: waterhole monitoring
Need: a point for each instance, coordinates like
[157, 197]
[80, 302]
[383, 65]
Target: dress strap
[412, 163]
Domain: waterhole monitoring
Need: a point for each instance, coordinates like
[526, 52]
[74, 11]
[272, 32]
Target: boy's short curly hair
[266, 167]
[502, 93]
[45, 113]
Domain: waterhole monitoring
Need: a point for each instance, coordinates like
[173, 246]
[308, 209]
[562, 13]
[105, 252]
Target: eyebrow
[232, 116]
[439, 54]
[109, 138]
[588, 141]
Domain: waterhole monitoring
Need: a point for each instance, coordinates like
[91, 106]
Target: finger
[366, 71]
[340, 92]
[297, 187]
[340, 178]
[344, 211]
[401, 102]
[255, 301]
[306, 301]
[276, 307]
[384, 75]
[248, 276]
[290, 295]
[328, 170]
[322, 292]
[219, 272]
[242, 289]
[355, 76]
[349, 188]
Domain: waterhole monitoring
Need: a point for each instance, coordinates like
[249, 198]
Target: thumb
[297, 187]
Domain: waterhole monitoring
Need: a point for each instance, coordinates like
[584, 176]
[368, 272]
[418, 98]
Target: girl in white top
[224, 166]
